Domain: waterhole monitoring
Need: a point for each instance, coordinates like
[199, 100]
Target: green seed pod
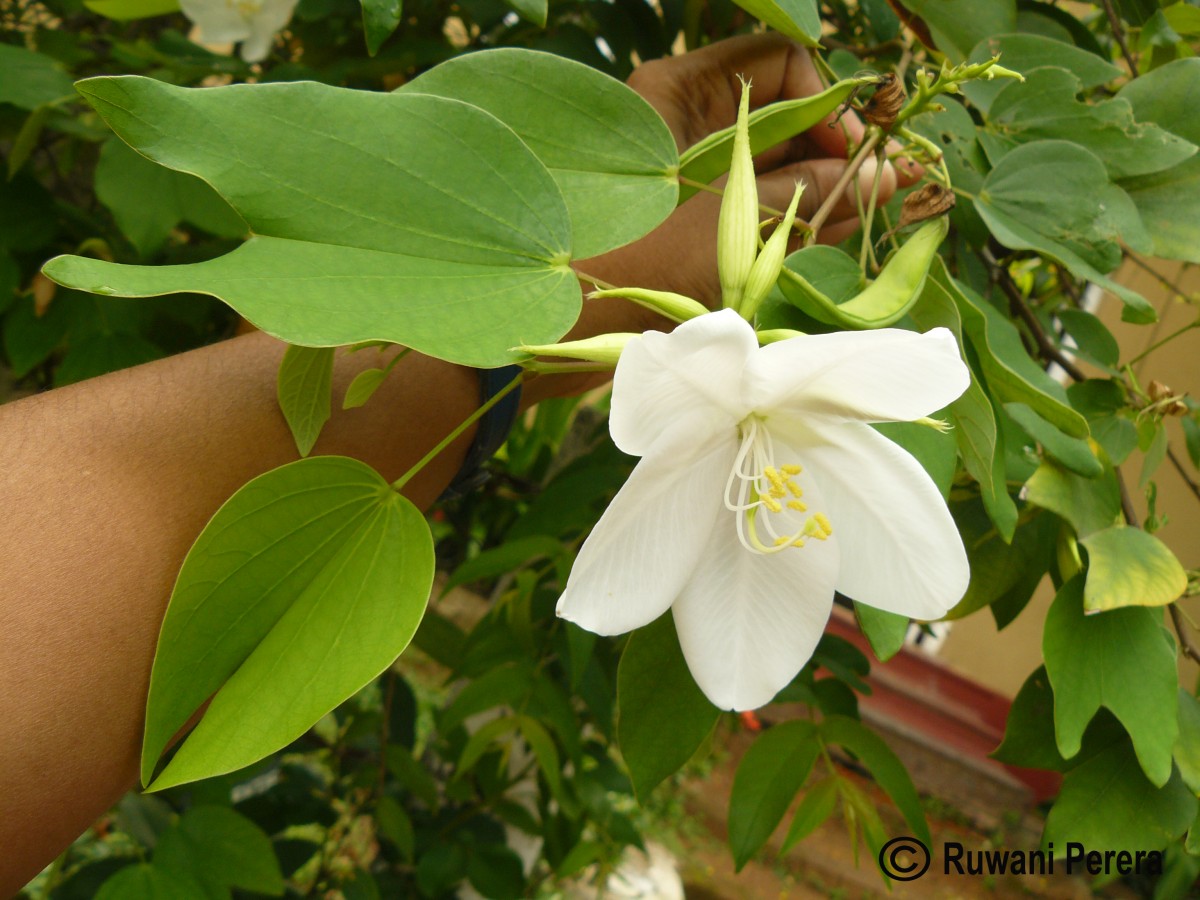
[765, 271]
[737, 227]
[604, 348]
[676, 307]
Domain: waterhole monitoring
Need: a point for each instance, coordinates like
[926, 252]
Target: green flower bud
[604, 348]
[676, 307]
[774, 335]
[765, 271]
[737, 227]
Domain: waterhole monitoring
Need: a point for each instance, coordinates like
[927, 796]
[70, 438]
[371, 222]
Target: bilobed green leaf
[884, 630]
[663, 717]
[380, 18]
[768, 126]
[886, 768]
[1169, 201]
[304, 586]
[125, 10]
[1045, 107]
[304, 386]
[1025, 52]
[374, 216]
[768, 777]
[1107, 802]
[958, 25]
[1054, 197]
[1073, 453]
[1129, 567]
[221, 849]
[610, 153]
[148, 881]
[1029, 733]
[798, 19]
[1121, 659]
[1089, 504]
[31, 79]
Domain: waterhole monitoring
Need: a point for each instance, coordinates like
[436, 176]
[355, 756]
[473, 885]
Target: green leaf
[884, 630]
[1054, 197]
[380, 18]
[420, 240]
[148, 881]
[1073, 453]
[1093, 341]
[883, 765]
[1169, 202]
[124, 10]
[958, 25]
[1128, 567]
[304, 386]
[999, 567]
[768, 777]
[663, 718]
[1026, 52]
[496, 872]
[1029, 733]
[1045, 107]
[1187, 746]
[221, 849]
[148, 201]
[816, 806]
[363, 387]
[935, 450]
[610, 153]
[412, 775]
[502, 686]
[31, 79]
[10, 280]
[1107, 802]
[441, 867]
[396, 825]
[768, 126]
[798, 19]
[1089, 504]
[1122, 660]
[1102, 401]
[304, 586]
[508, 557]
[882, 302]
[534, 11]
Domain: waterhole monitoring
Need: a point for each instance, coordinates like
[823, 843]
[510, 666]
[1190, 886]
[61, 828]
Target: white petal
[267, 22]
[872, 376]
[219, 20]
[900, 548]
[696, 369]
[644, 548]
[747, 622]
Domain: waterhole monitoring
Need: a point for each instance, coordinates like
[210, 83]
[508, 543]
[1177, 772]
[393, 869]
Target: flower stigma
[756, 483]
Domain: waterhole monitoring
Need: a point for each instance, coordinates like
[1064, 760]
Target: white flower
[762, 488]
[253, 22]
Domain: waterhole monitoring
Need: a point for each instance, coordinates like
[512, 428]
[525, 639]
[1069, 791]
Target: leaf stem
[592, 279]
[1188, 480]
[867, 251]
[466, 423]
[1045, 345]
[1118, 32]
[868, 145]
[1170, 337]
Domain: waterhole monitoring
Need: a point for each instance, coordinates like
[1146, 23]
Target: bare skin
[108, 482]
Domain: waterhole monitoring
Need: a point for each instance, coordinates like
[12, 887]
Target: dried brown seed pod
[886, 103]
[927, 202]
[1159, 391]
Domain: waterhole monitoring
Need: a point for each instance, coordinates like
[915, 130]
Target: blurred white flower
[252, 22]
[762, 488]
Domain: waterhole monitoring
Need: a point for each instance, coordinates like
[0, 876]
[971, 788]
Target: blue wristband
[491, 431]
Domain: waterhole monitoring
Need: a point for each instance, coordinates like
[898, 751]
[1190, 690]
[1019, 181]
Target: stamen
[797, 506]
[791, 469]
[823, 521]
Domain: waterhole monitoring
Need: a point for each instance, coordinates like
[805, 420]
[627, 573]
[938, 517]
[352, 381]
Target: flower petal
[697, 368]
[901, 550]
[871, 376]
[219, 21]
[748, 623]
[644, 548]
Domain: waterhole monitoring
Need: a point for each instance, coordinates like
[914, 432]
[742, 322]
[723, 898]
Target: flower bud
[775, 335]
[604, 348]
[737, 227]
[765, 271]
[676, 307]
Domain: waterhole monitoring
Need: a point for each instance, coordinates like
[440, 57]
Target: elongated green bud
[765, 271]
[775, 335]
[604, 348]
[737, 227]
[676, 307]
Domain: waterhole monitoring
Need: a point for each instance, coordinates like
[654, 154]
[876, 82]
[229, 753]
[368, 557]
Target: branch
[1192, 485]
[1119, 34]
[1045, 345]
[1185, 644]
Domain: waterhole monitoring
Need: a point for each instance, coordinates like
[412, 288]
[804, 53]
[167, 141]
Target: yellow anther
[813, 529]
[797, 506]
[823, 521]
[780, 541]
[791, 469]
[796, 490]
[772, 504]
[798, 542]
[774, 477]
[777, 493]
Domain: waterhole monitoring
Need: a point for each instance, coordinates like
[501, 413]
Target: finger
[820, 177]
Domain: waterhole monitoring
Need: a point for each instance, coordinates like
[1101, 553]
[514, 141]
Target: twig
[1045, 345]
[1119, 34]
[839, 189]
[1170, 337]
[1185, 643]
[1179, 467]
[1127, 509]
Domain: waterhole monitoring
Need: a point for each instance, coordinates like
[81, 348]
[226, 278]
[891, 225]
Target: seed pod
[604, 348]
[765, 271]
[885, 104]
[930, 201]
[676, 307]
[737, 226]
[1159, 391]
